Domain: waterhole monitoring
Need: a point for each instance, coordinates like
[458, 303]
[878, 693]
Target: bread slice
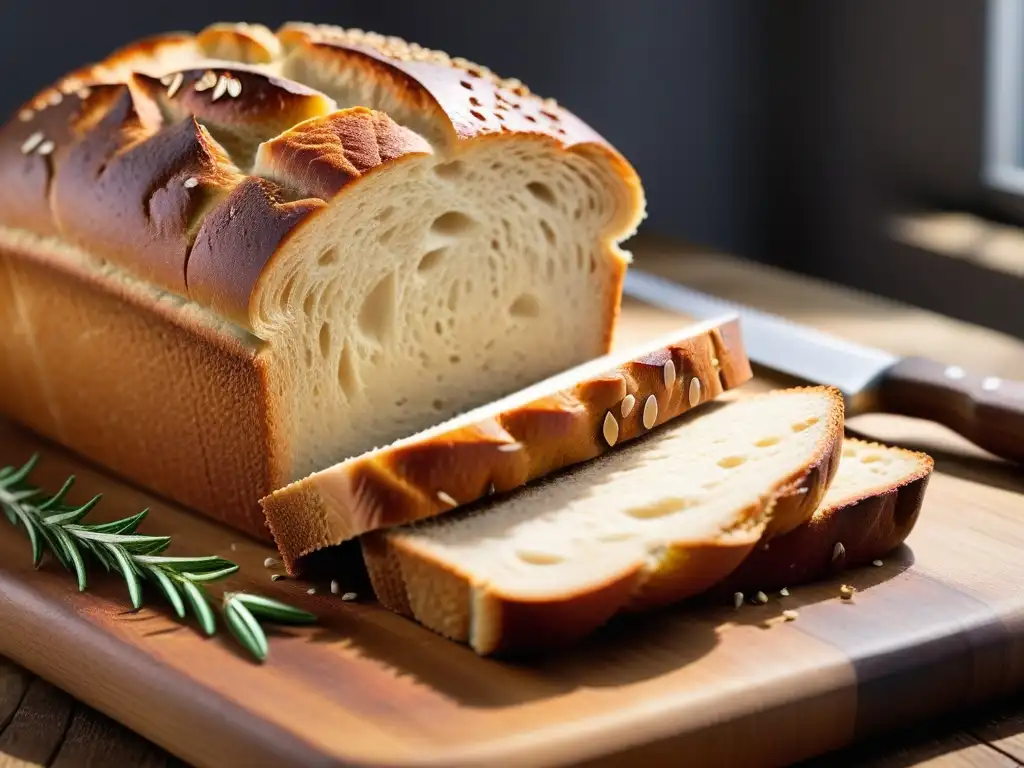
[564, 420]
[265, 252]
[869, 510]
[651, 523]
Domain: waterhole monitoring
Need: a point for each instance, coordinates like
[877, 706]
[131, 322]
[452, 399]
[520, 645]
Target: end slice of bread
[564, 420]
[869, 510]
[653, 522]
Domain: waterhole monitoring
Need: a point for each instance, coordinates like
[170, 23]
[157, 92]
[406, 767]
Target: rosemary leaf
[71, 515]
[210, 575]
[100, 554]
[58, 497]
[200, 606]
[124, 564]
[169, 589]
[13, 518]
[272, 610]
[189, 564]
[246, 629]
[125, 526]
[125, 541]
[17, 475]
[30, 528]
[74, 556]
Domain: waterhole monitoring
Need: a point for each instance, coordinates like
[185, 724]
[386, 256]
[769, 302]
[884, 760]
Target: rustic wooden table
[42, 726]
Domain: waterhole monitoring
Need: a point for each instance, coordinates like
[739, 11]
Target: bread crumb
[790, 615]
[234, 547]
[877, 563]
[784, 592]
[838, 551]
[846, 592]
[761, 598]
[737, 599]
[349, 597]
[311, 591]
[270, 562]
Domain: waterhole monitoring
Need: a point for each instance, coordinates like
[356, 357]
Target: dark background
[786, 131]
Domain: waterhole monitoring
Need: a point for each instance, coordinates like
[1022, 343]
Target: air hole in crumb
[478, 115]
[499, 116]
[660, 508]
[431, 259]
[466, 84]
[474, 101]
[497, 166]
[849, 451]
[377, 315]
[495, 244]
[309, 357]
[581, 257]
[767, 442]
[542, 192]
[549, 233]
[593, 264]
[386, 214]
[535, 557]
[452, 223]
[871, 458]
[307, 303]
[438, 328]
[450, 170]
[438, 405]
[525, 305]
[531, 118]
[328, 257]
[453, 297]
[385, 238]
[286, 294]
[325, 339]
[549, 269]
[731, 462]
[348, 379]
[616, 536]
[800, 426]
[454, 359]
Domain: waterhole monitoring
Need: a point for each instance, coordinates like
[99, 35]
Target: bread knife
[987, 410]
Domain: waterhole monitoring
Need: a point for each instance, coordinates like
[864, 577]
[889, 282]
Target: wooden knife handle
[987, 410]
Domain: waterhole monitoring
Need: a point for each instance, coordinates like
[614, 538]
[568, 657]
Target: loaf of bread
[233, 258]
[655, 521]
[570, 418]
[869, 510]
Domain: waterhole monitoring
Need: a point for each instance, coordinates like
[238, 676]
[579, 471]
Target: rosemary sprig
[57, 527]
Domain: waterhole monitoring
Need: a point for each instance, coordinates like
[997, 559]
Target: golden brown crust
[868, 527]
[196, 419]
[504, 450]
[249, 43]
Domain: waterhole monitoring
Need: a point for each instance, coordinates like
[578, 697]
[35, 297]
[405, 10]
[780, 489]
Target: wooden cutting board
[939, 626]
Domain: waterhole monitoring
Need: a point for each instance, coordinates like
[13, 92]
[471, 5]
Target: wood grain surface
[938, 628]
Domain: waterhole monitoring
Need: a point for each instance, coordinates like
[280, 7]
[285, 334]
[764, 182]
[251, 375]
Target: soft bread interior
[693, 481]
[867, 469]
[436, 286]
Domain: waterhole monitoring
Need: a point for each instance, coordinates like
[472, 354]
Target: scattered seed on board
[610, 429]
[789, 614]
[270, 562]
[846, 592]
[737, 600]
[838, 551]
[447, 499]
[761, 598]
[234, 547]
[627, 405]
[668, 372]
[335, 587]
[311, 591]
[650, 412]
[877, 563]
[348, 597]
[784, 592]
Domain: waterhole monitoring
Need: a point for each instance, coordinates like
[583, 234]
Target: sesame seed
[737, 599]
[335, 587]
[25, 115]
[715, 363]
[166, 79]
[877, 563]
[447, 499]
[234, 87]
[510, 447]
[784, 592]
[270, 562]
[650, 411]
[789, 614]
[221, 88]
[668, 373]
[490, 489]
[610, 429]
[838, 550]
[627, 405]
[84, 92]
[191, 182]
[32, 142]
[348, 597]
[311, 591]
[761, 598]
[206, 82]
[694, 392]
[174, 84]
[234, 547]
[55, 98]
[45, 148]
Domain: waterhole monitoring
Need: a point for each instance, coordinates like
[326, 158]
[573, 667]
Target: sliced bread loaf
[653, 522]
[567, 419]
[869, 510]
